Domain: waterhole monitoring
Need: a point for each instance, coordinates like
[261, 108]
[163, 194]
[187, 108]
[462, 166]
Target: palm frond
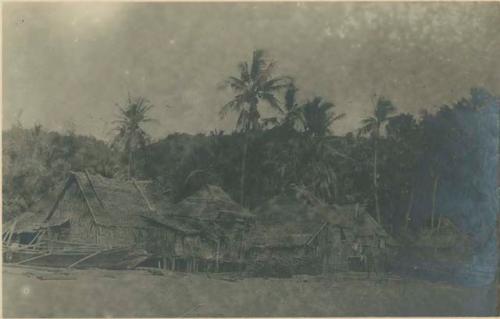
[270, 121]
[233, 105]
[290, 97]
[243, 123]
[265, 72]
[257, 64]
[338, 117]
[236, 84]
[368, 126]
[275, 84]
[383, 109]
[245, 76]
[272, 100]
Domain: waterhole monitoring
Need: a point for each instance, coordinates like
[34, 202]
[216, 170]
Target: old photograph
[250, 159]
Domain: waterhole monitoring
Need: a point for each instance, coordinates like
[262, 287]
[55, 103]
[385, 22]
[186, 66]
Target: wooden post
[164, 262]
[13, 227]
[173, 263]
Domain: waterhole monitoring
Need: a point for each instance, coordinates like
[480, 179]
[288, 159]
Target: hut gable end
[109, 203]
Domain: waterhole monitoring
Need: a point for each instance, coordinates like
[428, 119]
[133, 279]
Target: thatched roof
[210, 203]
[355, 217]
[116, 203]
[304, 214]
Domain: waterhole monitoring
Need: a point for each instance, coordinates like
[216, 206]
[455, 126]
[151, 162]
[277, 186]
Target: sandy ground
[99, 293]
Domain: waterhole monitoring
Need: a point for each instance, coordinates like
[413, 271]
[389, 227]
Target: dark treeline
[410, 171]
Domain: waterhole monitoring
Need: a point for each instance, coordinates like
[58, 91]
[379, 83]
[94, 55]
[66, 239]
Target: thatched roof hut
[298, 225]
[95, 210]
[301, 213]
[302, 229]
[222, 222]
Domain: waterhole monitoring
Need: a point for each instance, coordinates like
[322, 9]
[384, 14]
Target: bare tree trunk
[243, 171]
[434, 191]
[408, 211]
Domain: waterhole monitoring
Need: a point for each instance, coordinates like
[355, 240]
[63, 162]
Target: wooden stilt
[173, 263]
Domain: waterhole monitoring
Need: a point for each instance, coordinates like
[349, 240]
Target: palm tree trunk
[243, 170]
[408, 211]
[375, 183]
[130, 160]
[434, 191]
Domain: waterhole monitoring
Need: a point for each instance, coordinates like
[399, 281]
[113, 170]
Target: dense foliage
[414, 169]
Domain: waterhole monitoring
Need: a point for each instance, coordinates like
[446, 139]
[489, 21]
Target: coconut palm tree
[294, 116]
[318, 117]
[130, 136]
[309, 157]
[372, 126]
[253, 85]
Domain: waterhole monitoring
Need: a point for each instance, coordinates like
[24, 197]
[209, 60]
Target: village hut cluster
[102, 222]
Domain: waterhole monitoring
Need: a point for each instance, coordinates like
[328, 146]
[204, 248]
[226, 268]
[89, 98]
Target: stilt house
[108, 213]
[313, 237]
[223, 225]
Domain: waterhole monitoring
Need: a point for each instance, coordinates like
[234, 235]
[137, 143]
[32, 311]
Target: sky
[67, 65]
